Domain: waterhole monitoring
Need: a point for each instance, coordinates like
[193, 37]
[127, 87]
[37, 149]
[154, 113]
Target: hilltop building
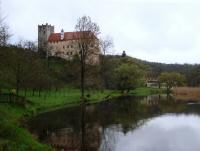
[63, 44]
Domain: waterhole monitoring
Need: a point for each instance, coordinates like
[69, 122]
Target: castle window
[63, 47]
[70, 53]
[67, 53]
[67, 46]
[71, 46]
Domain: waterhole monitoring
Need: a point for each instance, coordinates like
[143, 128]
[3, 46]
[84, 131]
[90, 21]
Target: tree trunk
[82, 75]
[18, 79]
[33, 92]
[39, 92]
[25, 91]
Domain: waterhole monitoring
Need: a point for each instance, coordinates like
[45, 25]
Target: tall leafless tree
[86, 35]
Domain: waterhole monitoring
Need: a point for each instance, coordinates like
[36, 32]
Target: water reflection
[127, 123]
[164, 133]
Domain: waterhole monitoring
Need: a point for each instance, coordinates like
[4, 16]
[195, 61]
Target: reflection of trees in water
[63, 139]
[83, 128]
[131, 114]
[97, 126]
[90, 132]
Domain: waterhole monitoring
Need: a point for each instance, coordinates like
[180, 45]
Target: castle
[63, 44]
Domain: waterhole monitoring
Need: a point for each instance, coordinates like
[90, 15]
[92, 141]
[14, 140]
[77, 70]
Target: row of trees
[23, 69]
[116, 73]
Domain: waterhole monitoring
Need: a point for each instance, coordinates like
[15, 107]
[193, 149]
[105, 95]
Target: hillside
[154, 69]
[24, 69]
[191, 71]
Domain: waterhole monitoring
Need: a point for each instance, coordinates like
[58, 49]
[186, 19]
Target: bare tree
[86, 35]
[27, 44]
[105, 45]
[4, 32]
[31, 45]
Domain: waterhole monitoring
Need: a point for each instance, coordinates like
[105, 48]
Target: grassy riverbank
[13, 137]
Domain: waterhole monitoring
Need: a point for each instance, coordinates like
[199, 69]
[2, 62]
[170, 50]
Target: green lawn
[64, 97]
[68, 96]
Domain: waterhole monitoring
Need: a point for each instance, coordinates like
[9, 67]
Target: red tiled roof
[55, 37]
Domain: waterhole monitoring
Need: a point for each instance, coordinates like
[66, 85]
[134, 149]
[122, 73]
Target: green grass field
[70, 96]
[65, 97]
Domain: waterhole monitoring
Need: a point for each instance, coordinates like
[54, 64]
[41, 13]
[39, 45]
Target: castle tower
[44, 31]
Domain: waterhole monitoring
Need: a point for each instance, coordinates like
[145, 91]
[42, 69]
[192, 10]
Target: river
[153, 123]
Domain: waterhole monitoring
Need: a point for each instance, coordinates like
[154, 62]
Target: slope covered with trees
[190, 71]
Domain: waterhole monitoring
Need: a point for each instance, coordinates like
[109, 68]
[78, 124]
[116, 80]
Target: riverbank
[14, 137]
[67, 97]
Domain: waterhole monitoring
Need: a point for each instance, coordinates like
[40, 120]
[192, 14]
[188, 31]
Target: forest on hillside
[22, 68]
[190, 71]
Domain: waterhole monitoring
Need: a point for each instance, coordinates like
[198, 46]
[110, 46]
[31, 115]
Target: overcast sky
[155, 30]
